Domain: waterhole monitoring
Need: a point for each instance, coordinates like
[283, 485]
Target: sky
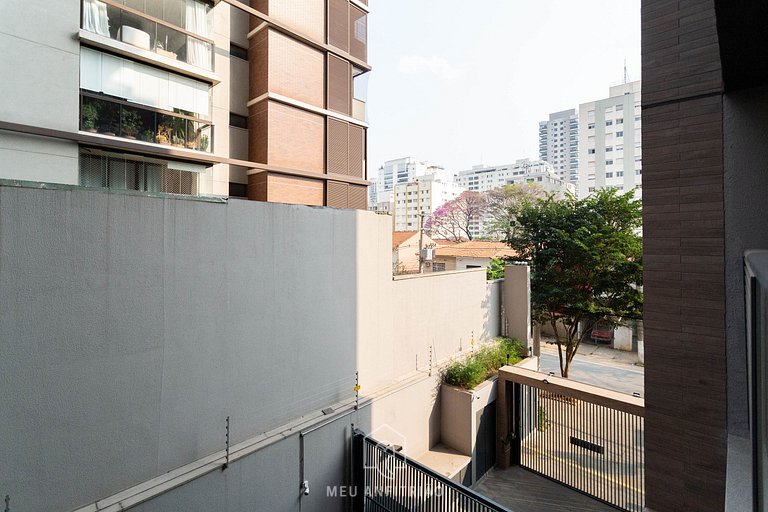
[460, 83]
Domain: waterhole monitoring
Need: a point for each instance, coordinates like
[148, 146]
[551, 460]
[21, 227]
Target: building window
[238, 51]
[609, 162]
[122, 119]
[619, 134]
[609, 175]
[591, 151]
[438, 266]
[619, 174]
[238, 121]
[609, 123]
[608, 149]
[137, 26]
[591, 126]
[620, 120]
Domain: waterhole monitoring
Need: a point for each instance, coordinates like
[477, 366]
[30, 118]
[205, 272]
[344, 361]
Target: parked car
[602, 332]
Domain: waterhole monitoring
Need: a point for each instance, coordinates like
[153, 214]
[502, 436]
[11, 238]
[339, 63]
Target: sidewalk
[596, 353]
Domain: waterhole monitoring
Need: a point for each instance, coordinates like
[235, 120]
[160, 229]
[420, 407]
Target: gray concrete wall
[745, 123]
[132, 326]
[44, 60]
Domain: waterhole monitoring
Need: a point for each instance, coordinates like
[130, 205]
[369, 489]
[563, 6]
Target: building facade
[483, 178]
[610, 153]
[422, 196]
[188, 97]
[401, 171]
[559, 143]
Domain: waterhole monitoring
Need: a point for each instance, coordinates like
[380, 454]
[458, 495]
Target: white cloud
[416, 64]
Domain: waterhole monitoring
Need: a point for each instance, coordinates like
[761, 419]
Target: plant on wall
[484, 363]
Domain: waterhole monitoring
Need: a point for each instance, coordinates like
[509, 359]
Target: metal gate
[593, 448]
[388, 481]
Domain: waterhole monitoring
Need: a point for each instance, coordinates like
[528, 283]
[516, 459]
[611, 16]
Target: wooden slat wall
[339, 85]
[684, 245]
[338, 146]
[358, 197]
[338, 24]
[336, 196]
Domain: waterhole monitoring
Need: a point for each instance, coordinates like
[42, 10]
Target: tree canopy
[452, 220]
[502, 204]
[586, 263]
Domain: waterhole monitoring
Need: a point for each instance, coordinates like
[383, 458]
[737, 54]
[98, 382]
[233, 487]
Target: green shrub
[484, 363]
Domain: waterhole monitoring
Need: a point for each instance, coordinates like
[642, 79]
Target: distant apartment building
[482, 178]
[403, 170]
[610, 142]
[422, 196]
[559, 143]
[192, 97]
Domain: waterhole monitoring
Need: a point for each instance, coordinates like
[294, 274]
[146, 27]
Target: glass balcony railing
[109, 18]
[358, 109]
[122, 119]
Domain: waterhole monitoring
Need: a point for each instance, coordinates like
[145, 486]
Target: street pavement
[598, 365]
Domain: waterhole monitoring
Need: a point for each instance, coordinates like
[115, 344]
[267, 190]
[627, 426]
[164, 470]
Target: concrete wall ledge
[405, 277]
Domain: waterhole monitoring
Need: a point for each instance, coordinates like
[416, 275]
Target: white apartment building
[559, 143]
[610, 142]
[482, 178]
[423, 195]
[400, 171]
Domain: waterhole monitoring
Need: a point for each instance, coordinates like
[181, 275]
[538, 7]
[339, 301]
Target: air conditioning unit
[427, 254]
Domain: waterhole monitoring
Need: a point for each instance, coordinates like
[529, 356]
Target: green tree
[495, 269]
[586, 263]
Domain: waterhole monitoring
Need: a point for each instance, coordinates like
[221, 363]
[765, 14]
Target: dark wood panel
[338, 147]
[338, 24]
[339, 85]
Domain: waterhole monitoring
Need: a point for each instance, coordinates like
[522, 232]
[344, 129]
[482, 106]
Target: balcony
[117, 118]
[129, 31]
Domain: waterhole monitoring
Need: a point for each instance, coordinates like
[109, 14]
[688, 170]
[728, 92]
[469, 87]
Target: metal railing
[585, 437]
[391, 482]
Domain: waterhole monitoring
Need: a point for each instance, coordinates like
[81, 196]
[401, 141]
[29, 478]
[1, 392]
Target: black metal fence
[389, 481]
[593, 448]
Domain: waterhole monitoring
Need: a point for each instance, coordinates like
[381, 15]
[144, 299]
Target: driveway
[598, 365]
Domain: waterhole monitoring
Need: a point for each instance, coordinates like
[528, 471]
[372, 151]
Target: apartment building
[189, 97]
[404, 170]
[610, 140]
[484, 178]
[559, 143]
[422, 196]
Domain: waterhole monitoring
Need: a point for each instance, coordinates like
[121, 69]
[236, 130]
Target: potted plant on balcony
[90, 115]
[163, 134]
[203, 143]
[147, 136]
[130, 121]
